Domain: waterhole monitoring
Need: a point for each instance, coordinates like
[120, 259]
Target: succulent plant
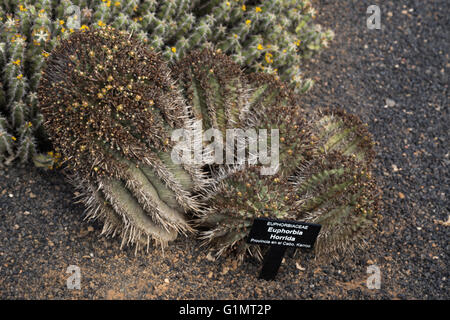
[217, 92]
[339, 193]
[215, 87]
[222, 97]
[267, 36]
[110, 106]
[324, 177]
[27, 34]
[240, 193]
[6, 151]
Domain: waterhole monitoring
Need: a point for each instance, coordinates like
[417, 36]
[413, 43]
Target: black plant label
[280, 235]
[290, 234]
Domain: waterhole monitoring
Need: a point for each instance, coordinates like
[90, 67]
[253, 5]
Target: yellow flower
[228, 3]
[45, 54]
[117, 3]
[243, 7]
[297, 43]
[22, 8]
[260, 47]
[174, 49]
[61, 22]
[14, 138]
[20, 76]
[17, 62]
[247, 22]
[101, 23]
[16, 37]
[84, 27]
[258, 9]
[268, 57]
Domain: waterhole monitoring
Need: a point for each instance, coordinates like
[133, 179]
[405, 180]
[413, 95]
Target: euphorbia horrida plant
[110, 107]
[324, 174]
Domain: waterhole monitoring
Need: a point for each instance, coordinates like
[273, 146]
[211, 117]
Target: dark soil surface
[42, 230]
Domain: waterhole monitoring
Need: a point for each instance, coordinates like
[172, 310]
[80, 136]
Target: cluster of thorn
[107, 90]
[325, 176]
[110, 106]
[265, 36]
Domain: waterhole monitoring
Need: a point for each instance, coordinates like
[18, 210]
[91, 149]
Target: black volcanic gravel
[395, 78]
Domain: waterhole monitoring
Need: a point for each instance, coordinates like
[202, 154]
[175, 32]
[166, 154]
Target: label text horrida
[285, 238]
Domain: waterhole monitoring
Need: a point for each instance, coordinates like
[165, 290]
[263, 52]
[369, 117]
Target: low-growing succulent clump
[266, 36]
[338, 189]
[339, 193]
[324, 177]
[241, 193]
[110, 106]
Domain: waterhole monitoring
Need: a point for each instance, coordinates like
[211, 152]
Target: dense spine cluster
[265, 36]
[110, 106]
[324, 173]
[215, 87]
[240, 193]
[28, 33]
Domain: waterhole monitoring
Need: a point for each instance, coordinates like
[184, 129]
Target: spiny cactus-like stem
[215, 87]
[343, 132]
[324, 177]
[110, 107]
[6, 140]
[340, 193]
